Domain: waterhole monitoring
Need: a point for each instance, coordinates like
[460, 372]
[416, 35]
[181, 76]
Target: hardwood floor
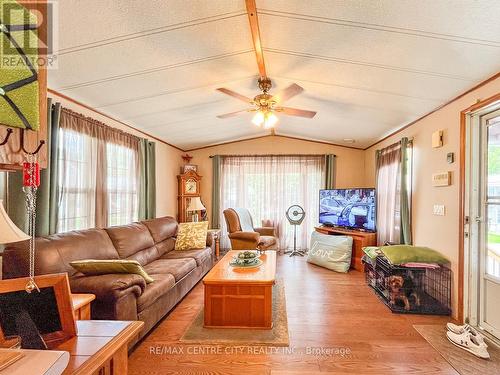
[328, 312]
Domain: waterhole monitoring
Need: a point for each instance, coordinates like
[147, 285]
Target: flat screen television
[348, 208]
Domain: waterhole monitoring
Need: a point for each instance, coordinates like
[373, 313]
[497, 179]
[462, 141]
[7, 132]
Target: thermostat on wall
[441, 179]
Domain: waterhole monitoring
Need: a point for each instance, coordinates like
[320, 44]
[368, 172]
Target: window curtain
[393, 183]
[99, 174]
[46, 220]
[216, 190]
[330, 171]
[268, 185]
[147, 202]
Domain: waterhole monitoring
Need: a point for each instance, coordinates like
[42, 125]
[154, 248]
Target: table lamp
[9, 232]
[195, 205]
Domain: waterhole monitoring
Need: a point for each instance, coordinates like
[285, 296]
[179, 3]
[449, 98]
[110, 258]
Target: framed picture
[190, 167]
[40, 319]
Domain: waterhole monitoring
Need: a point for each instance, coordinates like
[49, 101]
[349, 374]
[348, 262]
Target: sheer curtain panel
[268, 185]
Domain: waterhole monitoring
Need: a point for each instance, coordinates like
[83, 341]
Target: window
[122, 189]
[98, 175]
[76, 181]
[268, 185]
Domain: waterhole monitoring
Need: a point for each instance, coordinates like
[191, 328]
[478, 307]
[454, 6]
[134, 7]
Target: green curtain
[47, 206]
[147, 162]
[216, 166]
[330, 171]
[405, 204]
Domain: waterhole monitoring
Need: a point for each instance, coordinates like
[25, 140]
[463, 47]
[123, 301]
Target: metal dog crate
[431, 286]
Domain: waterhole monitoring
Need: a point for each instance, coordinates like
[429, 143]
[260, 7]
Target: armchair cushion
[246, 223]
[266, 231]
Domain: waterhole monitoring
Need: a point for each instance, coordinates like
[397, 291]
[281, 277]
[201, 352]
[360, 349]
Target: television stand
[360, 239]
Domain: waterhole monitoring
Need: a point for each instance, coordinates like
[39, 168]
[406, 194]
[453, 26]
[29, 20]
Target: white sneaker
[468, 342]
[466, 328]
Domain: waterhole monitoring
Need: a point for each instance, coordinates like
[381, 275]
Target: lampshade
[8, 230]
[195, 204]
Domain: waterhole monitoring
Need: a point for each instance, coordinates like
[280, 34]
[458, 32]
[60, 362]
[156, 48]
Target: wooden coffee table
[240, 297]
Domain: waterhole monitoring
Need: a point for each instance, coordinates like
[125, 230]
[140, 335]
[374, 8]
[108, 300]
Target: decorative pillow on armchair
[192, 236]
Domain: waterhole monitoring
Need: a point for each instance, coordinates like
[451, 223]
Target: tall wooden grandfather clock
[189, 187]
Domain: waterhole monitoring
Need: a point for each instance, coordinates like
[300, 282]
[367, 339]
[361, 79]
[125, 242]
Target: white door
[484, 255]
[489, 250]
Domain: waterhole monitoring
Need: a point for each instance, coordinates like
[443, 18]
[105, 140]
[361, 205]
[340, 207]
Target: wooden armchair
[244, 236]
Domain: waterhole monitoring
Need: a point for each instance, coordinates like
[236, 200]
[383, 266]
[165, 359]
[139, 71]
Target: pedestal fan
[295, 215]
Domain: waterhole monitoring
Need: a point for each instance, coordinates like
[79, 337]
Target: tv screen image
[349, 208]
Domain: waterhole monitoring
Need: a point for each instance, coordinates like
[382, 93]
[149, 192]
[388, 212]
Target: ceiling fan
[266, 106]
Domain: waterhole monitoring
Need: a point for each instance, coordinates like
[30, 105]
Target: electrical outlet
[438, 210]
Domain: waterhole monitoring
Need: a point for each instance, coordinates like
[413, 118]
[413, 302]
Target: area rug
[464, 362]
[277, 336]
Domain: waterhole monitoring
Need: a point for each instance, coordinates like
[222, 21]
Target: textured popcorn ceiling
[367, 67]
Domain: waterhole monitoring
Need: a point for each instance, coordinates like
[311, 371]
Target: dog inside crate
[404, 289]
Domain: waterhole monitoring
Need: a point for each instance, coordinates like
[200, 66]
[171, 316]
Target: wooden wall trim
[274, 135]
[461, 203]
[486, 81]
[54, 92]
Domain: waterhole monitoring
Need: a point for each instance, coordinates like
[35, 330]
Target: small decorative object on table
[246, 259]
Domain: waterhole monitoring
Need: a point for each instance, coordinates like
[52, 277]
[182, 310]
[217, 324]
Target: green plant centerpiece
[246, 259]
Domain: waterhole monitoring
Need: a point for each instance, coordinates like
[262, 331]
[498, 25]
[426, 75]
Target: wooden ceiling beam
[254, 28]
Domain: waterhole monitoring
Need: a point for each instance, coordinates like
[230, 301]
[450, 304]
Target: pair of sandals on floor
[467, 338]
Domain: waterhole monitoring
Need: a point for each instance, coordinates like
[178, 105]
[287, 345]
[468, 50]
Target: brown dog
[401, 288]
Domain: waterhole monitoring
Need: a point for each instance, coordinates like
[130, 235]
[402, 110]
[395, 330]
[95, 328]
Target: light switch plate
[438, 210]
[441, 179]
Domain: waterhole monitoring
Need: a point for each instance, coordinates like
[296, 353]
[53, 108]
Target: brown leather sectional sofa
[120, 296]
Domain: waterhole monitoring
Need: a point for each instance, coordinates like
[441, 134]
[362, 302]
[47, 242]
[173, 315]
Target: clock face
[191, 186]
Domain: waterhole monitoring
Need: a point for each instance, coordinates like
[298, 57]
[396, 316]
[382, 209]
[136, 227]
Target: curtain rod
[271, 155]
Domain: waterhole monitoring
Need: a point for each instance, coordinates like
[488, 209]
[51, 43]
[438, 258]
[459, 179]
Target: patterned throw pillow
[192, 236]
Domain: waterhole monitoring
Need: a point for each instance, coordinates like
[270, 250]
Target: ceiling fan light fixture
[259, 118]
[270, 120]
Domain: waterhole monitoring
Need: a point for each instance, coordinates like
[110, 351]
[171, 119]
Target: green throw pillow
[91, 267]
[401, 254]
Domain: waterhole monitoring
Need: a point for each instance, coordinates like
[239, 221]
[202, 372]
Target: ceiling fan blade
[235, 95]
[296, 112]
[231, 114]
[288, 93]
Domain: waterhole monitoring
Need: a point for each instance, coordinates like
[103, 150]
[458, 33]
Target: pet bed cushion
[401, 254]
[332, 252]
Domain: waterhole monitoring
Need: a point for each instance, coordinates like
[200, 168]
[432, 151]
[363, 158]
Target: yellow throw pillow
[91, 267]
[192, 236]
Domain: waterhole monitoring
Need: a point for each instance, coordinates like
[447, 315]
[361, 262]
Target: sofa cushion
[199, 255]
[177, 267]
[55, 253]
[163, 283]
[133, 241]
[165, 246]
[161, 228]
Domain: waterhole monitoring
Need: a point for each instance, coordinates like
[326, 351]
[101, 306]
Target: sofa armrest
[266, 231]
[108, 287]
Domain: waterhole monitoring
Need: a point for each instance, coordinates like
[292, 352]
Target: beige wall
[168, 160]
[349, 171]
[438, 232]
